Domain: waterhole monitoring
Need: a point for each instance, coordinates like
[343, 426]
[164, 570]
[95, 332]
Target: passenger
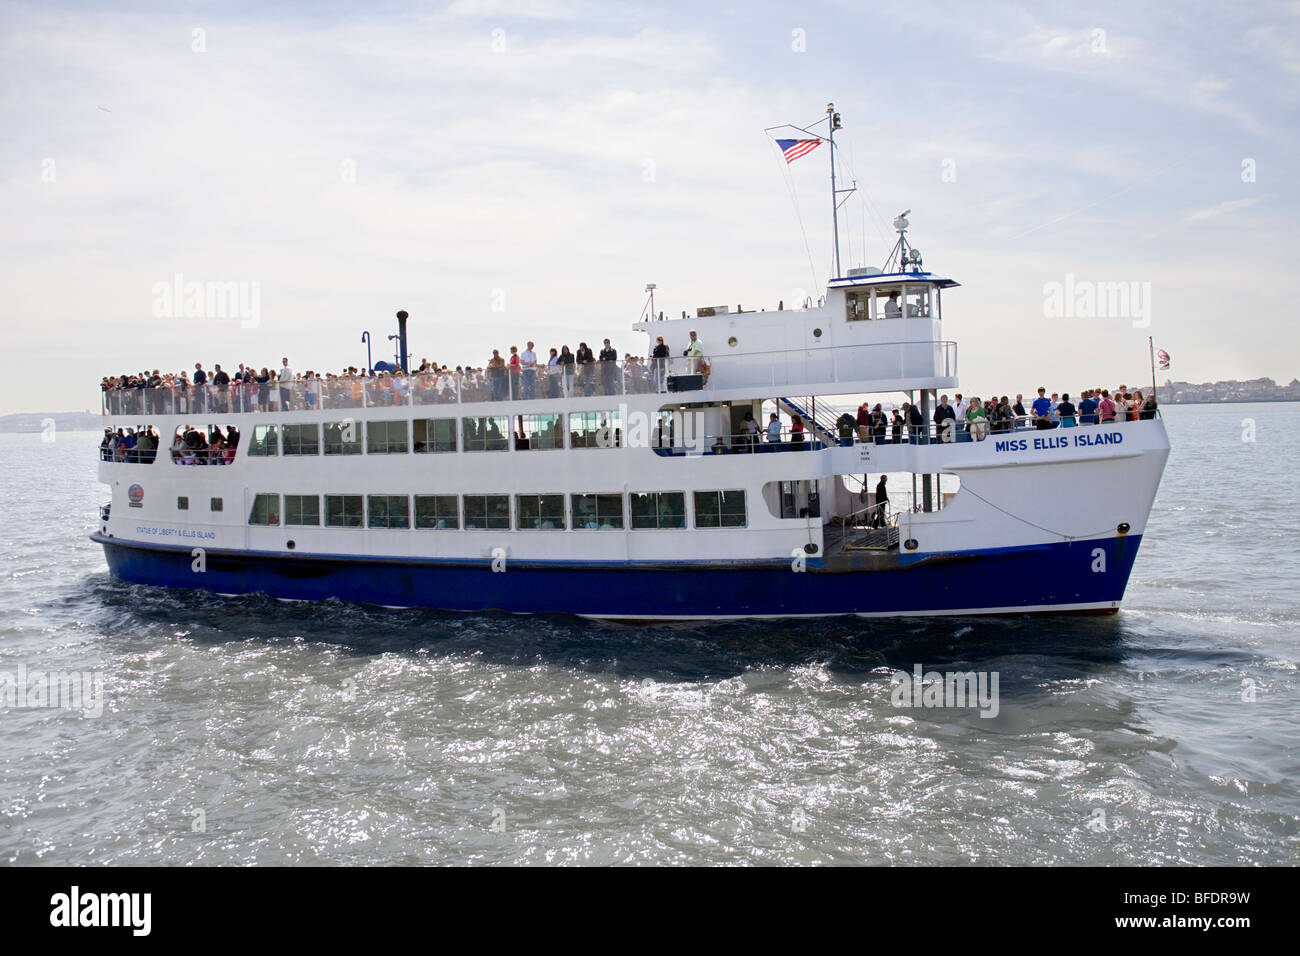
[608, 369]
[1106, 408]
[880, 508]
[749, 431]
[528, 372]
[584, 372]
[943, 415]
[286, 385]
[774, 429]
[977, 420]
[660, 364]
[694, 353]
[1021, 416]
[863, 421]
[896, 428]
[796, 430]
[1066, 411]
[1148, 409]
[497, 375]
[1087, 409]
[566, 363]
[879, 425]
[1042, 410]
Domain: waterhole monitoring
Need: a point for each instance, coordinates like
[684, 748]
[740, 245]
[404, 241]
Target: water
[251, 731]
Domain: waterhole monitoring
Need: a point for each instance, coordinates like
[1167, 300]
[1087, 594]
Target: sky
[508, 170]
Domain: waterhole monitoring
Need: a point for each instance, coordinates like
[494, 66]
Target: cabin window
[658, 509]
[437, 511]
[487, 433]
[719, 509]
[545, 512]
[266, 441]
[603, 512]
[857, 306]
[266, 510]
[435, 435]
[342, 438]
[534, 432]
[595, 430]
[487, 512]
[182, 503]
[302, 439]
[387, 438]
[343, 511]
[302, 510]
[214, 504]
[389, 511]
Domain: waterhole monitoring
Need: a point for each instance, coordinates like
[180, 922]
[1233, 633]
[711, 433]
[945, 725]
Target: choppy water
[250, 731]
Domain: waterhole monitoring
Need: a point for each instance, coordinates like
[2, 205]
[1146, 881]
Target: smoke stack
[401, 339]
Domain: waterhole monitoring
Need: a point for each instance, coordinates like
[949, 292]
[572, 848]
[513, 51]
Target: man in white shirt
[774, 429]
[286, 385]
[529, 362]
[960, 409]
[892, 308]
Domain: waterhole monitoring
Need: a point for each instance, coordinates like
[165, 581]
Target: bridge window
[487, 512]
[342, 438]
[302, 439]
[534, 432]
[658, 509]
[265, 511]
[595, 430]
[302, 510]
[266, 441]
[602, 512]
[389, 511]
[343, 511]
[435, 435]
[540, 511]
[487, 433]
[719, 509]
[387, 438]
[437, 511]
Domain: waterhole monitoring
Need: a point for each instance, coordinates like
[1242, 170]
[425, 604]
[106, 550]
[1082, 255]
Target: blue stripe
[1033, 576]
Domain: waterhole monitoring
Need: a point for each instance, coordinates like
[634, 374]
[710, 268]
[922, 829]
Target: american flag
[794, 148]
[1163, 358]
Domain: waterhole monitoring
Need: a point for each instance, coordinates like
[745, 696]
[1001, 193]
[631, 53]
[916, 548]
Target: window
[302, 439]
[182, 504]
[386, 438]
[302, 509]
[719, 509]
[214, 504]
[266, 510]
[545, 512]
[539, 431]
[435, 435]
[598, 511]
[658, 509]
[343, 511]
[595, 430]
[342, 438]
[485, 434]
[437, 511]
[389, 511]
[265, 441]
[487, 512]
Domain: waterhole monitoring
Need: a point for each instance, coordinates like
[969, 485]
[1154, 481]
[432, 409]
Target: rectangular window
[302, 439]
[658, 509]
[215, 504]
[598, 512]
[595, 430]
[487, 512]
[534, 432]
[719, 509]
[266, 510]
[435, 435]
[343, 511]
[342, 438]
[389, 511]
[387, 438]
[182, 504]
[545, 512]
[302, 510]
[437, 511]
[485, 434]
[265, 441]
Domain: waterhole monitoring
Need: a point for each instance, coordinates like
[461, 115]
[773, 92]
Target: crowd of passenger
[974, 419]
[519, 375]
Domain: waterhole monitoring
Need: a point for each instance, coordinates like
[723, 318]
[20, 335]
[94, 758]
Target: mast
[833, 121]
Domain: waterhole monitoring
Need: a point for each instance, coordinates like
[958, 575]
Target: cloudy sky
[507, 169]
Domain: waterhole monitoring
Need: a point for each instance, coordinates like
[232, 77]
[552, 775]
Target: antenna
[833, 121]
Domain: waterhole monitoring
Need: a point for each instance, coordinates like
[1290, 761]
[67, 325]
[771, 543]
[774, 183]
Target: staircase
[823, 425]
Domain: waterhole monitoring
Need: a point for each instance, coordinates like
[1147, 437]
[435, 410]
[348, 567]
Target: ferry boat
[637, 489]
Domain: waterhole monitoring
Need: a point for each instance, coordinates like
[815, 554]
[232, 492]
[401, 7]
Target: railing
[130, 455]
[763, 442]
[892, 361]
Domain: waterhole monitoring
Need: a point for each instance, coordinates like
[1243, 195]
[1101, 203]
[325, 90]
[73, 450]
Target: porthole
[817, 333]
[290, 545]
[910, 544]
[732, 341]
[1123, 527]
[810, 548]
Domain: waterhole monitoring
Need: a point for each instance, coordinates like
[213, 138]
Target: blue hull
[1051, 578]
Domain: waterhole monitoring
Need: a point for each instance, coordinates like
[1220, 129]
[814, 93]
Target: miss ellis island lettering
[957, 689]
[76, 909]
[1081, 440]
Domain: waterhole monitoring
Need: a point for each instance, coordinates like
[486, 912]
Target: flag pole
[835, 205]
[1151, 345]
